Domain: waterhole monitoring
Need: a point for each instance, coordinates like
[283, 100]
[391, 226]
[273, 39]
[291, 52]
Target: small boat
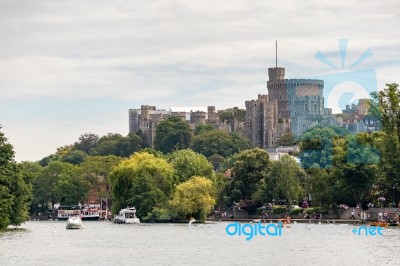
[74, 222]
[378, 223]
[127, 216]
[285, 222]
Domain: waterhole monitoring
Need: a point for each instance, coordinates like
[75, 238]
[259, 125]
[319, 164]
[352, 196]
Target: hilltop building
[147, 118]
[355, 118]
[291, 106]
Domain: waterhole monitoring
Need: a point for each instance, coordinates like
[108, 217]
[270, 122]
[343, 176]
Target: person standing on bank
[352, 214]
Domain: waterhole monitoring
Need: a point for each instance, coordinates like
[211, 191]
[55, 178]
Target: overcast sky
[76, 66]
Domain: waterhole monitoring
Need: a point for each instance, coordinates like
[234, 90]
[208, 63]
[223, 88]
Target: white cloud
[210, 52]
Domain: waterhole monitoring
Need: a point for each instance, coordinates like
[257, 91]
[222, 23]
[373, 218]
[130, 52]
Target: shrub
[316, 210]
[278, 210]
[297, 211]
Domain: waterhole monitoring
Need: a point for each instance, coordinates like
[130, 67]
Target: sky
[77, 66]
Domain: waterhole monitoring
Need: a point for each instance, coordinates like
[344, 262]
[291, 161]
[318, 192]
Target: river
[105, 243]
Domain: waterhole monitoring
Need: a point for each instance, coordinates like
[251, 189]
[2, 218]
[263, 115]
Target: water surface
[105, 243]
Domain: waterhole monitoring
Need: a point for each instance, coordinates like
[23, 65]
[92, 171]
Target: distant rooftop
[188, 109]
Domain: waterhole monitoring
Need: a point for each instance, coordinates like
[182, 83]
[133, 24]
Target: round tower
[276, 73]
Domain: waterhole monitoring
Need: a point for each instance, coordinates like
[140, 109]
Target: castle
[291, 106]
[147, 118]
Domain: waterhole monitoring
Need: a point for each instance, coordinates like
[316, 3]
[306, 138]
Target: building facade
[355, 118]
[147, 118]
[291, 106]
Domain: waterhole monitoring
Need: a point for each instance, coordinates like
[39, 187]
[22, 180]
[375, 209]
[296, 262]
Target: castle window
[315, 107]
[280, 97]
[147, 125]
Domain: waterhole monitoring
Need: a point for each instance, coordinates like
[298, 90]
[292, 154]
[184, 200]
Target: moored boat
[379, 223]
[86, 212]
[74, 222]
[90, 212]
[64, 212]
[127, 216]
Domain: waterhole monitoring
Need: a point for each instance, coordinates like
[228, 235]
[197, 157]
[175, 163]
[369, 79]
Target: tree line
[188, 171]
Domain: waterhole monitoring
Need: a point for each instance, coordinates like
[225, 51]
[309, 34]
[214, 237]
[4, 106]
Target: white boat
[64, 212]
[87, 212]
[91, 212]
[74, 222]
[127, 216]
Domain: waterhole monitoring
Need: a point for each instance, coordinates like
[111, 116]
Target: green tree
[286, 140]
[72, 190]
[143, 180]
[212, 142]
[322, 186]
[194, 198]
[219, 142]
[188, 163]
[389, 109]
[118, 145]
[316, 147]
[172, 134]
[239, 143]
[109, 144]
[340, 131]
[45, 185]
[49, 159]
[389, 102]
[355, 167]
[74, 157]
[389, 166]
[95, 170]
[86, 142]
[216, 160]
[374, 108]
[153, 151]
[15, 192]
[287, 177]
[64, 150]
[232, 113]
[202, 128]
[251, 166]
[30, 171]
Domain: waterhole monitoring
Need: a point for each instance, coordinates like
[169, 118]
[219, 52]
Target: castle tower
[276, 73]
[198, 118]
